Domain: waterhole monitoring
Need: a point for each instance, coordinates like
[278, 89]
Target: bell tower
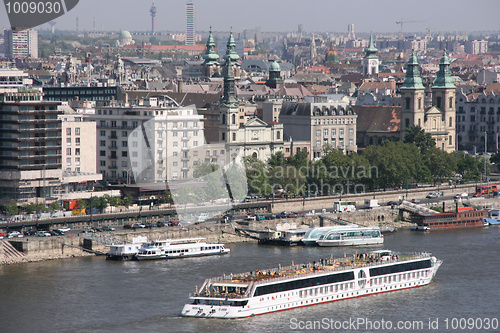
[412, 96]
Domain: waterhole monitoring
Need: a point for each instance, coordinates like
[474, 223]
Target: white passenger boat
[126, 251]
[343, 236]
[179, 248]
[284, 288]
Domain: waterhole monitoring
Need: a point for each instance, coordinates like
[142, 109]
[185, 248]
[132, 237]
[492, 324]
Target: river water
[94, 295]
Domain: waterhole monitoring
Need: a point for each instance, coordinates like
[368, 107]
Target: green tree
[11, 208]
[127, 201]
[276, 159]
[416, 135]
[55, 206]
[203, 169]
[256, 175]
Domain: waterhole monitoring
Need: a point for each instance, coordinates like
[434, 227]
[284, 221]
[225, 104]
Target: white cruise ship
[179, 248]
[284, 288]
[343, 236]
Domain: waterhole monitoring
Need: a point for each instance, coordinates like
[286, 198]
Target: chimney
[179, 85]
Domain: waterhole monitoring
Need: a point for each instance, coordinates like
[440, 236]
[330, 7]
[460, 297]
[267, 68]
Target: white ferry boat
[126, 251]
[284, 288]
[343, 236]
[179, 248]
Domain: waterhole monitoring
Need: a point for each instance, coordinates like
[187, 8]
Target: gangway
[415, 209]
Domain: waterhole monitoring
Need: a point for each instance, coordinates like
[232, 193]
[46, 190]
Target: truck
[371, 203]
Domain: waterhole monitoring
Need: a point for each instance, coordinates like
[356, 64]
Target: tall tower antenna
[153, 17]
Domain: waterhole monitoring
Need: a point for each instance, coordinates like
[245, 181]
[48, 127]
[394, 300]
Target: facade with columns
[439, 119]
[255, 137]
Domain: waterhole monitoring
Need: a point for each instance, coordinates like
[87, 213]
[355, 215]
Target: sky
[284, 15]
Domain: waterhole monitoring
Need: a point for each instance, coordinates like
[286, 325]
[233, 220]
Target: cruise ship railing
[319, 272]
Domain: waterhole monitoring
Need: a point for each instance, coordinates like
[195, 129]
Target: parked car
[30, 232]
[173, 223]
[2, 235]
[54, 233]
[127, 226]
[108, 228]
[250, 217]
[260, 217]
[282, 215]
[149, 225]
[461, 196]
[64, 229]
[13, 234]
[415, 200]
[392, 203]
[160, 224]
[42, 234]
[138, 225]
[292, 214]
[432, 195]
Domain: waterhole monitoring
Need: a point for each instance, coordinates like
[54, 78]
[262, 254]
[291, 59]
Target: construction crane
[401, 22]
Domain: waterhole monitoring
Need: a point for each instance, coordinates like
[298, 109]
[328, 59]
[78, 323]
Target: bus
[486, 189]
[344, 206]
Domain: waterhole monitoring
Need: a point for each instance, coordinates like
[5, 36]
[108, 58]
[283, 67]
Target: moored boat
[285, 288]
[465, 217]
[343, 236]
[179, 248]
[126, 251]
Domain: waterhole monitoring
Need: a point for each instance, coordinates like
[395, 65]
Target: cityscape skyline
[135, 16]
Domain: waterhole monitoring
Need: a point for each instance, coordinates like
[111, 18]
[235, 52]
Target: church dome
[275, 67]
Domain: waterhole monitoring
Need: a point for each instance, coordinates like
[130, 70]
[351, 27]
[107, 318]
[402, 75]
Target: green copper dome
[275, 67]
[231, 49]
[371, 50]
[412, 78]
[210, 56]
[443, 78]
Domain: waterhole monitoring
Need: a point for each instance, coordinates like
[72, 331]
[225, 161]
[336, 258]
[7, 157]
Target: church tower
[371, 61]
[228, 122]
[443, 98]
[274, 76]
[412, 96]
[210, 58]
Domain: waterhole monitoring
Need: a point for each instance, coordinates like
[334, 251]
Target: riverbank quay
[29, 248]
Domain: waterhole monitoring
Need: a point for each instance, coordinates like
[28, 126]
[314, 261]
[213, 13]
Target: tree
[55, 206]
[276, 159]
[203, 169]
[11, 208]
[127, 201]
[423, 140]
[256, 175]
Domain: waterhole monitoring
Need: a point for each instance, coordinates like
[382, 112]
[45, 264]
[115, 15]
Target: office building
[21, 44]
[190, 24]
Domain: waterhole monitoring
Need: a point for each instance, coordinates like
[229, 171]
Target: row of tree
[389, 165]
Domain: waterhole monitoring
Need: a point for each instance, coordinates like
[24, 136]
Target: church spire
[229, 97]
[371, 50]
[412, 78]
[443, 78]
[211, 57]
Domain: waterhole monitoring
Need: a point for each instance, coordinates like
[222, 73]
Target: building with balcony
[321, 122]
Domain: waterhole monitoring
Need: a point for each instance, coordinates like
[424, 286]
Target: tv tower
[153, 17]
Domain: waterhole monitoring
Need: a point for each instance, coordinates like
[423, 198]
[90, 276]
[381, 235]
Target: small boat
[494, 217]
[126, 251]
[179, 248]
[329, 280]
[343, 236]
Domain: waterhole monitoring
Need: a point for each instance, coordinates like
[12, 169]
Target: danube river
[94, 295]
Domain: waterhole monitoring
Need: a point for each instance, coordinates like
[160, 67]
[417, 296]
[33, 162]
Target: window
[68, 161]
[134, 144]
[77, 141]
[234, 136]
[68, 141]
[68, 151]
[195, 143]
[438, 102]
[223, 136]
[77, 151]
[318, 133]
[174, 143]
[124, 153]
[113, 124]
[351, 131]
[102, 153]
[77, 161]
[174, 164]
[124, 164]
[450, 140]
[77, 131]
[103, 143]
[407, 101]
[68, 131]
[124, 144]
[103, 163]
[450, 102]
[103, 133]
[278, 135]
[174, 133]
[325, 133]
[233, 119]
[318, 143]
[124, 134]
[450, 123]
